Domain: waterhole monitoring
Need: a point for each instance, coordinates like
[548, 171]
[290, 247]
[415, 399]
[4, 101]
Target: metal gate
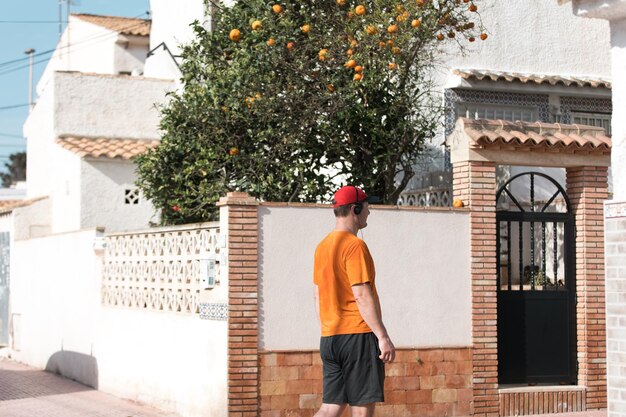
[5, 255]
[536, 282]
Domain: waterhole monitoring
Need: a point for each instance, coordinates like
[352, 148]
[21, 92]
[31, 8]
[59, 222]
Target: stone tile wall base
[421, 382]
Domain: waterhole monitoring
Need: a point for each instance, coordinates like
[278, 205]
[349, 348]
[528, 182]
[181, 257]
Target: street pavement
[30, 392]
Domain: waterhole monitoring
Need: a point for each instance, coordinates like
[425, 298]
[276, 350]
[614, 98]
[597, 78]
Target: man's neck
[345, 224]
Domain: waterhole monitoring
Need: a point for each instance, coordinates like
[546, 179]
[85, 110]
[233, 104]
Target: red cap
[349, 194]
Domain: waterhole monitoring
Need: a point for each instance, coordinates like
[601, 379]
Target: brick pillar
[587, 188]
[239, 218]
[475, 184]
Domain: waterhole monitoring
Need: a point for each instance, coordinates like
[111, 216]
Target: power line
[14, 106]
[30, 21]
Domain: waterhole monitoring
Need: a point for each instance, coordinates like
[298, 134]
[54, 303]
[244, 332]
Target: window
[131, 196]
[593, 119]
[497, 112]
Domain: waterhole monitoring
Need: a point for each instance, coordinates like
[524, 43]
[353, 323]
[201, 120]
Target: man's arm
[369, 311]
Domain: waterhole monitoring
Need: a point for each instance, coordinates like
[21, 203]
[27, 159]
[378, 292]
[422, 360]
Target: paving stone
[30, 392]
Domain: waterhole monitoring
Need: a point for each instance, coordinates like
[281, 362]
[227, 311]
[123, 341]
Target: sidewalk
[29, 392]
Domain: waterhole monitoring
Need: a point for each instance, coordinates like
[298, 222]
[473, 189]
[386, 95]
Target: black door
[536, 282]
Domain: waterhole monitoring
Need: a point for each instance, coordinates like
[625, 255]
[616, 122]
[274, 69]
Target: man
[354, 345]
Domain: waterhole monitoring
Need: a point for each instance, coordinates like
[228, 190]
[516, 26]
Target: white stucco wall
[108, 106]
[422, 275]
[90, 50]
[171, 24]
[39, 133]
[538, 37]
[172, 361]
[102, 196]
[618, 122]
[65, 195]
[129, 54]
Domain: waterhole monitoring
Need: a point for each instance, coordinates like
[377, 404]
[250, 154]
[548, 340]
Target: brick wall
[421, 382]
[242, 250]
[587, 188]
[475, 184]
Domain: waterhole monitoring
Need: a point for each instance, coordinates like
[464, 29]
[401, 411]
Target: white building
[555, 70]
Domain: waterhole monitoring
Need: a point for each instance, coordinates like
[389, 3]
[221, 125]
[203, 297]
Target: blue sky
[34, 24]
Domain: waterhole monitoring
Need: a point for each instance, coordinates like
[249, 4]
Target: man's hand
[387, 349]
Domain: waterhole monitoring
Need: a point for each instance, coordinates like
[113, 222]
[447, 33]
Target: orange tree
[284, 99]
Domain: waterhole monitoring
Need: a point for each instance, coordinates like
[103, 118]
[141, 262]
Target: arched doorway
[536, 288]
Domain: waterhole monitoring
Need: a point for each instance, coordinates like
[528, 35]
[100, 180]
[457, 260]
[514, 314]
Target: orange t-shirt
[341, 261]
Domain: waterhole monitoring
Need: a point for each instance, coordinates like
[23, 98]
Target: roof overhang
[600, 9]
[110, 148]
[529, 144]
[528, 83]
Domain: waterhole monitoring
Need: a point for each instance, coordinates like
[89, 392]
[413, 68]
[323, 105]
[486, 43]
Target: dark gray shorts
[353, 372]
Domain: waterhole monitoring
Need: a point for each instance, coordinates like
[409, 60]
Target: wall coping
[373, 206]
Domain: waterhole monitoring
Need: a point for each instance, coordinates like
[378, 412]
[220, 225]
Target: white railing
[429, 197]
[158, 269]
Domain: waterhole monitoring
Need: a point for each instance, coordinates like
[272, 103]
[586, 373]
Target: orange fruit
[350, 64]
[382, 44]
[457, 203]
[234, 151]
[235, 35]
[473, 7]
[271, 42]
[277, 8]
[360, 10]
[341, 2]
[440, 36]
[392, 66]
[390, 42]
[353, 43]
[358, 68]
[371, 30]
[421, 3]
[349, 52]
[483, 36]
[471, 39]
[290, 45]
[330, 88]
[392, 29]
[305, 28]
[357, 77]
[395, 50]
[322, 54]
[416, 23]
[256, 25]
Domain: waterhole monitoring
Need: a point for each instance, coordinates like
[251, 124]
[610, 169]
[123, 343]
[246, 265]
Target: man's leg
[365, 410]
[330, 410]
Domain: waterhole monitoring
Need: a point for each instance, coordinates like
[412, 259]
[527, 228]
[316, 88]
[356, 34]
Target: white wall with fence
[125, 313]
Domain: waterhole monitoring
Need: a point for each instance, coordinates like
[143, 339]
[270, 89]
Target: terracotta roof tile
[106, 147]
[8, 206]
[531, 78]
[123, 25]
[500, 133]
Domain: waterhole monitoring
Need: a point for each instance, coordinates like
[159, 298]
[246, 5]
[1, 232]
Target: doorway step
[541, 399]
